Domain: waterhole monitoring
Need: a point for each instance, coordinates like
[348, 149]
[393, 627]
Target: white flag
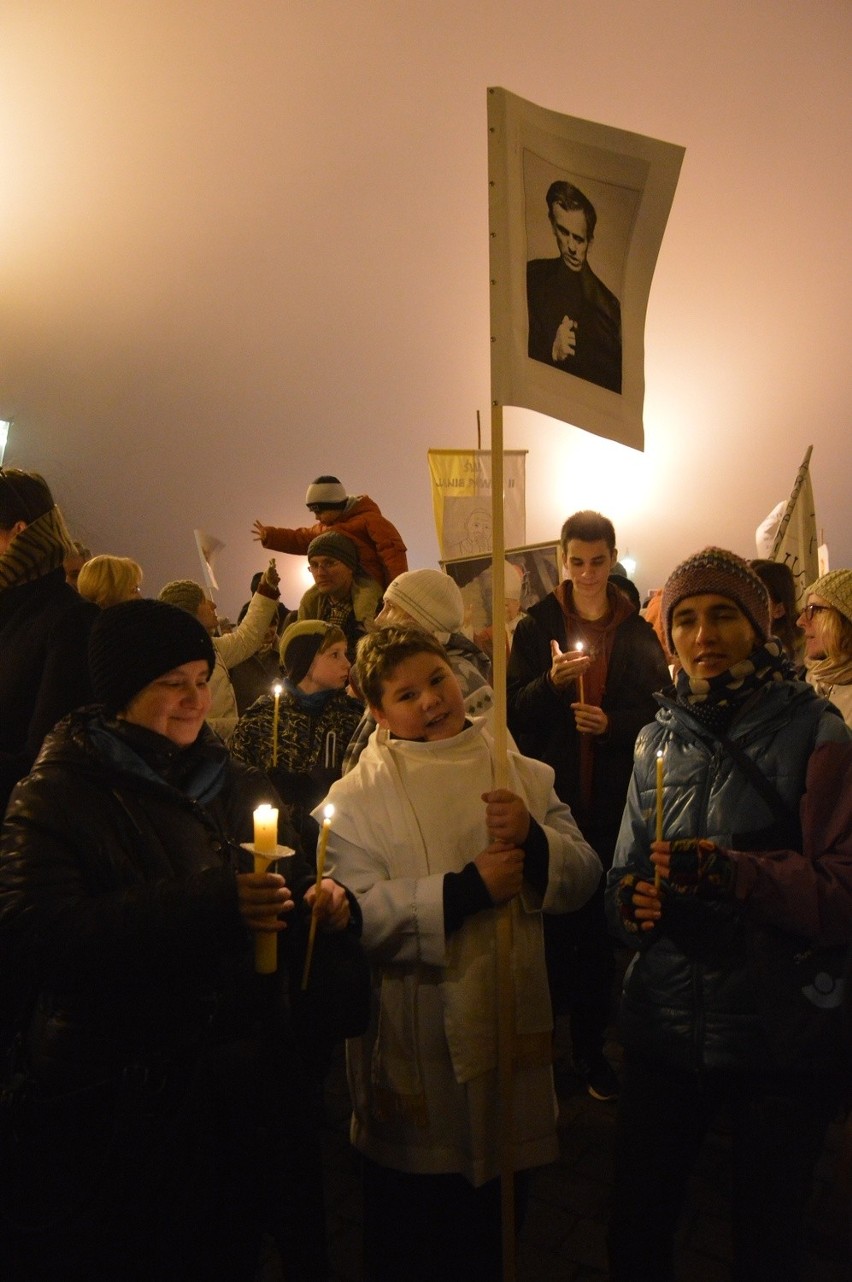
[796, 541]
[208, 546]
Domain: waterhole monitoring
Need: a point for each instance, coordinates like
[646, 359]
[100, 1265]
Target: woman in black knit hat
[733, 879]
[162, 1131]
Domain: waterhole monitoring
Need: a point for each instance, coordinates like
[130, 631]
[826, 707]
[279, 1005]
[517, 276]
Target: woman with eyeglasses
[109, 580]
[826, 622]
[44, 624]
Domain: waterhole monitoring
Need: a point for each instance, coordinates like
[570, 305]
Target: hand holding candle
[265, 851]
[328, 812]
[567, 666]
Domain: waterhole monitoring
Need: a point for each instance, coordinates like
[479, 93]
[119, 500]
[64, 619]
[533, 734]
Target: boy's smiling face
[422, 700]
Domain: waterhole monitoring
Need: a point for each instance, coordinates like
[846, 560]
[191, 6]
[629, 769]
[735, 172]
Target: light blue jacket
[688, 999]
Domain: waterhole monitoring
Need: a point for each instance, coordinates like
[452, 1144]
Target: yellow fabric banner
[461, 500]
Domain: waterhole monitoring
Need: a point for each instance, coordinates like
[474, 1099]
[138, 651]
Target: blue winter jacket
[688, 998]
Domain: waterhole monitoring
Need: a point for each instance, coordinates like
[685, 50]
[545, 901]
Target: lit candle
[579, 649]
[266, 832]
[276, 690]
[657, 877]
[265, 851]
[323, 842]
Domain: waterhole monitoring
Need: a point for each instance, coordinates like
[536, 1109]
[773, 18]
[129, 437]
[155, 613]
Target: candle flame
[276, 689]
[265, 811]
[659, 753]
[328, 812]
[579, 646]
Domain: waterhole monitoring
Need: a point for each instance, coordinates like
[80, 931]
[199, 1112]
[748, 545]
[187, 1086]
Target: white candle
[579, 649]
[265, 831]
[276, 690]
[328, 813]
[657, 877]
[265, 850]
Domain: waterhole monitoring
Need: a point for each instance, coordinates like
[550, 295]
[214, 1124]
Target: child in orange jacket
[381, 551]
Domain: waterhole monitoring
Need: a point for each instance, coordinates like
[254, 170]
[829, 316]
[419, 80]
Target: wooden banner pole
[505, 985]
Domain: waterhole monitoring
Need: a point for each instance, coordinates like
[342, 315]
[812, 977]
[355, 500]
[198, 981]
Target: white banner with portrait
[577, 212]
[530, 573]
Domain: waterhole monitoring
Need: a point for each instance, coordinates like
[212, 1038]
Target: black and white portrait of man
[574, 319]
[568, 319]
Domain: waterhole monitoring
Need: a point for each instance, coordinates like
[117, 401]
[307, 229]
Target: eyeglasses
[810, 610]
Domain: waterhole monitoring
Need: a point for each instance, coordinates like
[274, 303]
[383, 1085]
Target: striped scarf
[39, 548]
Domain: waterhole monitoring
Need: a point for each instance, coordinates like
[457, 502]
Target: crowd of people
[677, 790]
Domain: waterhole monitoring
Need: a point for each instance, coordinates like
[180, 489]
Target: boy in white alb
[431, 849]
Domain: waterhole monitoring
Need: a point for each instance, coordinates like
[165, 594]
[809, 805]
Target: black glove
[699, 867]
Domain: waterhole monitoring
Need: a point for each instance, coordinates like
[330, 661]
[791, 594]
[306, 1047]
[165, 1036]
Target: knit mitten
[699, 867]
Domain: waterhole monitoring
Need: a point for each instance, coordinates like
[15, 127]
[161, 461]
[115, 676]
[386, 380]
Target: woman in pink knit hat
[732, 880]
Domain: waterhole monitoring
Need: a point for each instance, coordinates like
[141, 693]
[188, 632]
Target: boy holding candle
[582, 674]
[302, 748]
[754, 855]
[431, 850]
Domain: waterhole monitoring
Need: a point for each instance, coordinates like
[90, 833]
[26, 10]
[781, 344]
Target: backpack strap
[758, 779]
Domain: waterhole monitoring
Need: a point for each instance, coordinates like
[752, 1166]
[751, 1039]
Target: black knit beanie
[133, 643]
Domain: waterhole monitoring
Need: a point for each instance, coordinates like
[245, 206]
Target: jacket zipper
[695, 969]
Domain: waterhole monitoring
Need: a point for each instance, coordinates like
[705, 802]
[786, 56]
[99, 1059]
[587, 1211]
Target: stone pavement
[564, 1236]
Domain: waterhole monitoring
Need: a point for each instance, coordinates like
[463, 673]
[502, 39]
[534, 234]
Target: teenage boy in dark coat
[582, 675]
